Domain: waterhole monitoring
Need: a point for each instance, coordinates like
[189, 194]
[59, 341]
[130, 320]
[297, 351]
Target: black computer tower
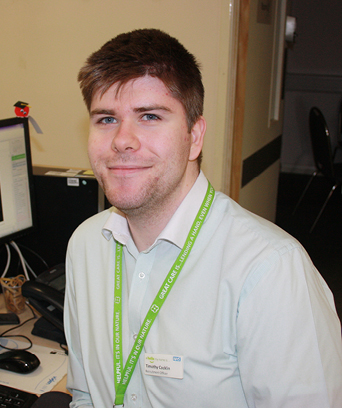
[63, 200]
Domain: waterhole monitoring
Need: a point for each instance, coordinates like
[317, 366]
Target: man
[176, 296]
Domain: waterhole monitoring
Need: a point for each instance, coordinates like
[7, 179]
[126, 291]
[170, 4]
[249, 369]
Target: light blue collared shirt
[249, 313]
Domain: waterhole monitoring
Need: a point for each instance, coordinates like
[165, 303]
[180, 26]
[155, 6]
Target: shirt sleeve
[289, 336]
[76, 381]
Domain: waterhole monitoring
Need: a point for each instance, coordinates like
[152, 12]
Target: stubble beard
[128, 203]
[131, 204]
[154, 197]
[152, 200]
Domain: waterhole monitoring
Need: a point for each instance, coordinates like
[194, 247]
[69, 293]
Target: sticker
[73, 181]
[71, 171]
[164, 365]
[61, 173]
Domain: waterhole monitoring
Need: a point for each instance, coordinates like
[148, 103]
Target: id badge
[164, 365]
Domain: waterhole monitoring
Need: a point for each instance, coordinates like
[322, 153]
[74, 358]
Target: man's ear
[197, 135]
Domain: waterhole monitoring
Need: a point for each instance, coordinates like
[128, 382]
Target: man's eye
[150, 116]
[107, 120]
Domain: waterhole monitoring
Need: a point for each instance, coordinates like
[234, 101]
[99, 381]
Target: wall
[313, 78]
[260, 193]
[44, 43]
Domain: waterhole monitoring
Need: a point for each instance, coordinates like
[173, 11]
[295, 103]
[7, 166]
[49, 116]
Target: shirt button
[134, 397]
[141, 275]
[135, 337]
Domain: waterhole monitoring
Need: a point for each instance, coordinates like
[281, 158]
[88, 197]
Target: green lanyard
[123, 377]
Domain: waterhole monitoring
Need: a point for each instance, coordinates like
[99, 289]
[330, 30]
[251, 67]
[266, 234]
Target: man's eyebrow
[141, 109]
[95, 112]
[150, 108]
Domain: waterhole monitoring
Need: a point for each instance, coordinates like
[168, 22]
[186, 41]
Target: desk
[26, 331]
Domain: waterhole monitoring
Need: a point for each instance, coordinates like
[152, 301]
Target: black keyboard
[11, 397]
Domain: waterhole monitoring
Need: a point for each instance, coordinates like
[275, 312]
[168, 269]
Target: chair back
[321, 144]
[340, 123]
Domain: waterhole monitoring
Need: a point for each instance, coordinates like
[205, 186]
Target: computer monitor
[16, 187]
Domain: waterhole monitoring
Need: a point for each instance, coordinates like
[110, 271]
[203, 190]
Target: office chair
[323, 157]
[339, 135]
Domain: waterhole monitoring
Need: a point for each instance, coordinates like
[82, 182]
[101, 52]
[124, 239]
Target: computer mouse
[19, 361]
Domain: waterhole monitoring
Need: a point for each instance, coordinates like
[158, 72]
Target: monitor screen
[16, 188]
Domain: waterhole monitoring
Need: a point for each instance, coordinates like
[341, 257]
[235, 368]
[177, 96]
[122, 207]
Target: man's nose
[125, 138]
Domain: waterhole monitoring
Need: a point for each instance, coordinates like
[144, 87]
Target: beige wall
[44, 43]
[260, 194]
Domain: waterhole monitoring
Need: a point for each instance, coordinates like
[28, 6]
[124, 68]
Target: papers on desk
[53, 367]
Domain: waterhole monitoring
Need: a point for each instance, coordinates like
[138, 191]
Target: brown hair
[145, 52]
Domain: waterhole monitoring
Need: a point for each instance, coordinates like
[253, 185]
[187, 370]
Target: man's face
[139, 146]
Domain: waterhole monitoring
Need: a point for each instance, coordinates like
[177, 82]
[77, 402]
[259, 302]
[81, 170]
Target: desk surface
[26, 331]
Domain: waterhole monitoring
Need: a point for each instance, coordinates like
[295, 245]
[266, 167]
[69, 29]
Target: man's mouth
[127, 170]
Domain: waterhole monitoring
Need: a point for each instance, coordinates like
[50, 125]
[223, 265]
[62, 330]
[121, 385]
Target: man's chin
[124, 204]
[129, 196]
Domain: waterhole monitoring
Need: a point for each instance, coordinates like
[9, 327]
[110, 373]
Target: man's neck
[146, 228]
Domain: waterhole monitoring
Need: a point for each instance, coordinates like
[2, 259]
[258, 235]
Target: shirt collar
[177, 228]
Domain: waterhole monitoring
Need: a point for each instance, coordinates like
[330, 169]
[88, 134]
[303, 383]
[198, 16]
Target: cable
[3, 335]
[35, 254]
[22, 260]
[31, 270]
[8, 260]
[65, 348]
[23, 263]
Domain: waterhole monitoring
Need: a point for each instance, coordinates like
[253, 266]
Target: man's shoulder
[242, 223]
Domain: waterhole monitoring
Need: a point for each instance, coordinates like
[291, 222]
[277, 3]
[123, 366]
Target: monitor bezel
[17, 234]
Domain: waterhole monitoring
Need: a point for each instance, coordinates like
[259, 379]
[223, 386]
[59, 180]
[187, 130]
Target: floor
[324, 243]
